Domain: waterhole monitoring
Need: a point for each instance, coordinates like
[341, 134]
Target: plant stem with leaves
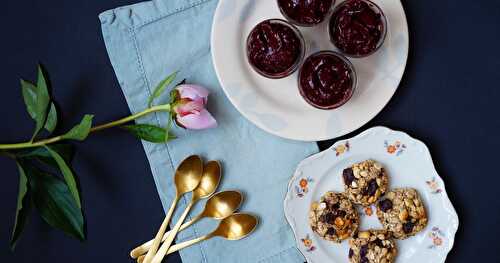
[57, 198]
[31, 144]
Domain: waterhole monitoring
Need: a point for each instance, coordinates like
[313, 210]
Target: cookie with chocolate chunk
[372, 246]
[402, 212]
[334, 217]
[365, 182]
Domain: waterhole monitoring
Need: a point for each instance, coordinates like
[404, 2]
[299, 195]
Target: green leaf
[67, 174]
[161, 88]
[23, 207]
[150, 133]
[55, 203]
[169, 126]
[29, 96]
[42, 80]
[80, 131]
[30, 100]
[51, 123]
[41, 103]
[66, 151]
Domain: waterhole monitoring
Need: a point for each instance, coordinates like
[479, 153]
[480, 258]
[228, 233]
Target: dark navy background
[449, 98]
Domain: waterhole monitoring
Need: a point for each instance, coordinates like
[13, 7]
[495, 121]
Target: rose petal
[189, 107]
[193, 92]
[201, 120]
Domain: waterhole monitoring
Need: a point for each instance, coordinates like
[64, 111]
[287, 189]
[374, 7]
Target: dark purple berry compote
[327, 80]
[275, 48]
[305, 12]
[358, 27]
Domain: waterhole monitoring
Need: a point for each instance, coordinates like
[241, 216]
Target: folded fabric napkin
[146, 42]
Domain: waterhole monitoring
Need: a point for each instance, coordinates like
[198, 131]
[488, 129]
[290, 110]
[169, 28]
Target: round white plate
[408, 163]
[276, 105]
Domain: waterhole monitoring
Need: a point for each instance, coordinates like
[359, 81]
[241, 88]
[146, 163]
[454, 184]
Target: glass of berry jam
[275, 48]
[327, 80]
[358, 28]
[305, 13]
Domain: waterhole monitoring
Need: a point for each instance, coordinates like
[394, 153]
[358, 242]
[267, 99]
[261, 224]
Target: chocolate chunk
[335, 206]
[378, 242]
[364, 260]
[330, 231]
[340, 213]
[348, 175]
[372, 187]
[385, 205]
[408, 227]
[327, 218]
[351, 253]
[363, 251]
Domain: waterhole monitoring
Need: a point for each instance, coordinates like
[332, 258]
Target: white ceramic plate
[408, 163]
[276, 105]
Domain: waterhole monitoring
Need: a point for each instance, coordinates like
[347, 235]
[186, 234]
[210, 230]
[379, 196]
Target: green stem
[119, 122]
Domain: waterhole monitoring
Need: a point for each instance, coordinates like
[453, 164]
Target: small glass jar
[358, 28]
[327, 80]
[306, 13]
[275, 48]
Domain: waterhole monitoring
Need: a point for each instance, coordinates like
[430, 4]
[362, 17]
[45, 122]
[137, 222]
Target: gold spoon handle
[143, 249]
[186, 244]
[180, 246]
[166, 245]
[161, 232]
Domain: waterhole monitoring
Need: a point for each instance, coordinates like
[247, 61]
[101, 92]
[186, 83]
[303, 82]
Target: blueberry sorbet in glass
[275, 48]
[327, 80]
[358, 27]
[305, 12]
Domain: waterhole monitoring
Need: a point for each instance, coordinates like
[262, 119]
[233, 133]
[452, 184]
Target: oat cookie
[365, 182]
[372, 246]
[402, 212]
[334, 218]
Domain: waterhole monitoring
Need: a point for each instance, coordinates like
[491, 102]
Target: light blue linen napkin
[149, 40]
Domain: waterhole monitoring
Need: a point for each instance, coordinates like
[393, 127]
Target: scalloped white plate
[408, 163]
[276, 105]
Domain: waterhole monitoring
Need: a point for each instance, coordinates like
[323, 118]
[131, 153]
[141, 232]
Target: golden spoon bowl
[209, 180]
[223, 204]
[188, 175]
[236, 227]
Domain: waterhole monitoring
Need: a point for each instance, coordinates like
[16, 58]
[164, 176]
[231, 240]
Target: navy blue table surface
[448, 98]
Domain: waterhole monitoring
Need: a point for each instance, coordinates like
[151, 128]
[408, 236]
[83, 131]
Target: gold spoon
[234, 227]
[219, 206]
[208, 185]
[187, 177]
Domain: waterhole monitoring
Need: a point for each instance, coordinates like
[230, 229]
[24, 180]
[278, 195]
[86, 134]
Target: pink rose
[189, 108]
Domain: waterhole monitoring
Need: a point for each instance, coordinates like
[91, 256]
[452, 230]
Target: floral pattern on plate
[303, 187]
[411, 169]
[396, 148]
[437, 237]
[308, 243]
[434, 186]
